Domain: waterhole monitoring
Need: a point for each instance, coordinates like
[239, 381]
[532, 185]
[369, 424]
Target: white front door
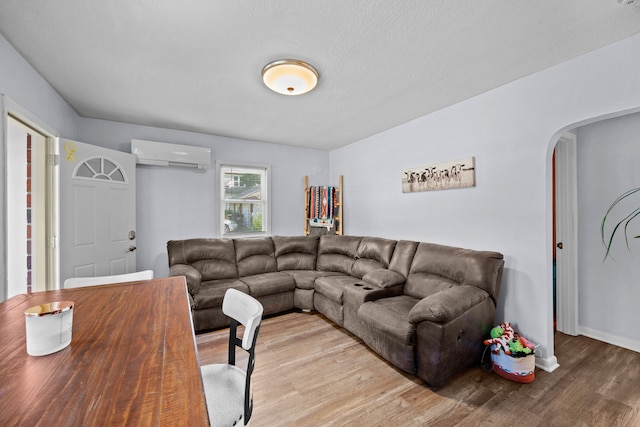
[97, 211]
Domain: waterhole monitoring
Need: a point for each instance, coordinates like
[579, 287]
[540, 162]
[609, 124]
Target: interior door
[566, 238]
[97, 211]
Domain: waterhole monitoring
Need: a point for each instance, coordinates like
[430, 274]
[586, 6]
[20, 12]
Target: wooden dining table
[132, 360]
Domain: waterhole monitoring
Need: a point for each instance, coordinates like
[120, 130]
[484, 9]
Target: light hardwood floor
[310, 372]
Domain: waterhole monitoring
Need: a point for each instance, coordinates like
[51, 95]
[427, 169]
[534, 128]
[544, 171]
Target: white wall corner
[548, 364]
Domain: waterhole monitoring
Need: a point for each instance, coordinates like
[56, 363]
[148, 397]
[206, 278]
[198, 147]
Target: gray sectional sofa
[426, 308]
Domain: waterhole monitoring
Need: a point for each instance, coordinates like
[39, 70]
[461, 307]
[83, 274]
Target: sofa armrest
[391, 291]
[447, 304]
[193, 276]
[384, 278]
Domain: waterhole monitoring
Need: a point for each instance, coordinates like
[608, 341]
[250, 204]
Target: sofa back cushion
[436, 267]
[373, 253]
[213, 258]
[296, 252]
[337, 253]
[421, 285]
[403, 256]
[254, 256]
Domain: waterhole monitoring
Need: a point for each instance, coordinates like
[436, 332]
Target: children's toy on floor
[512, 356]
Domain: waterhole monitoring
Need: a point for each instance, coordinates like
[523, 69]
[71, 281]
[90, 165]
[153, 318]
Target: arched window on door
[100, 168]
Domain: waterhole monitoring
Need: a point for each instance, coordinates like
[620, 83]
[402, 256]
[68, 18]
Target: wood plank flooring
[310, 372]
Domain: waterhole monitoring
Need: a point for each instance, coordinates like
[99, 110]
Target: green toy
[497, 332]
[516, 346]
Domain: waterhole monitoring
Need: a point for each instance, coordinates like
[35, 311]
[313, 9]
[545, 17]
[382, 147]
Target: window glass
[244, 200]
[100, 168]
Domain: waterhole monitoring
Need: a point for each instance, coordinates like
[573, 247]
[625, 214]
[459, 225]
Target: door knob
[132, 248]
[559, 245]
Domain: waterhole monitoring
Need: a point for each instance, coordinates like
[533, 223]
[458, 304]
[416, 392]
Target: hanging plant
[607, 241]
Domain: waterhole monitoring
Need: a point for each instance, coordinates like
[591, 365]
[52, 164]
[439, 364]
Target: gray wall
[22, 86]
[25, 86]
[608, 165]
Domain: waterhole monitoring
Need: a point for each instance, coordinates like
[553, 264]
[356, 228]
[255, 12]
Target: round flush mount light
[290, 77]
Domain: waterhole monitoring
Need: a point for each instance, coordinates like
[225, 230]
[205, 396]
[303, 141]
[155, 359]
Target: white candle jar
[48, 327]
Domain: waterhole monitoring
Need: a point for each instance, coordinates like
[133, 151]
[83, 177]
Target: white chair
[228, 388]
[77, 282]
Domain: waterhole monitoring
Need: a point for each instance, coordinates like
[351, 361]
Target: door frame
[566, 185]
[10, 107]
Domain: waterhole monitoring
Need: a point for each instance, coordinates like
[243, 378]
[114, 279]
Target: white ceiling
[195, 64]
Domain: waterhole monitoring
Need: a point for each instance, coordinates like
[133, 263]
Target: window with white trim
[244, 200]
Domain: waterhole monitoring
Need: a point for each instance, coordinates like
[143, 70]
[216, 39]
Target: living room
[511, 131]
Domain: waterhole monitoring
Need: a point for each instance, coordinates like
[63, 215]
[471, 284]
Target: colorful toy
[527, 344]
[497, 331]
[512, 355]
[501, 335]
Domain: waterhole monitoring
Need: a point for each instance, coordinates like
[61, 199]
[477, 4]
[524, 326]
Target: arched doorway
[595, 296]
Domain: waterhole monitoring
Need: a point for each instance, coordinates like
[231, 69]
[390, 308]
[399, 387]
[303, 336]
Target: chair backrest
[245, 310]
[77, 282]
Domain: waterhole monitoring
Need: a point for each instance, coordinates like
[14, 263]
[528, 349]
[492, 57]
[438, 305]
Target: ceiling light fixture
[290, 77]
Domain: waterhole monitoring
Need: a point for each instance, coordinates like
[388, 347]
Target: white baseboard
[623, 342]
[548, 364]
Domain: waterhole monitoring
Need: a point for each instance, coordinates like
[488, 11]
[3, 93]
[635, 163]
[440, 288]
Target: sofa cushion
[305, 279]
[391, 316]
[296, 261]
[337, 244]
[254, 256]
[332, 287]
[296, 252]
[190, 250]
[376, 248]
[337, 253]
[402, 256]
[269, 283]
[213, 258]
[464, 266]
[335, 263]
[421, 285]
[373, 253]
[212, 292]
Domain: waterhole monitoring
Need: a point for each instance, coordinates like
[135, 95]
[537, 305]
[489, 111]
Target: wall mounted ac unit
[163, 154]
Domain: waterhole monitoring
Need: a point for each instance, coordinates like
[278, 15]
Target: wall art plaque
[440, 176]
